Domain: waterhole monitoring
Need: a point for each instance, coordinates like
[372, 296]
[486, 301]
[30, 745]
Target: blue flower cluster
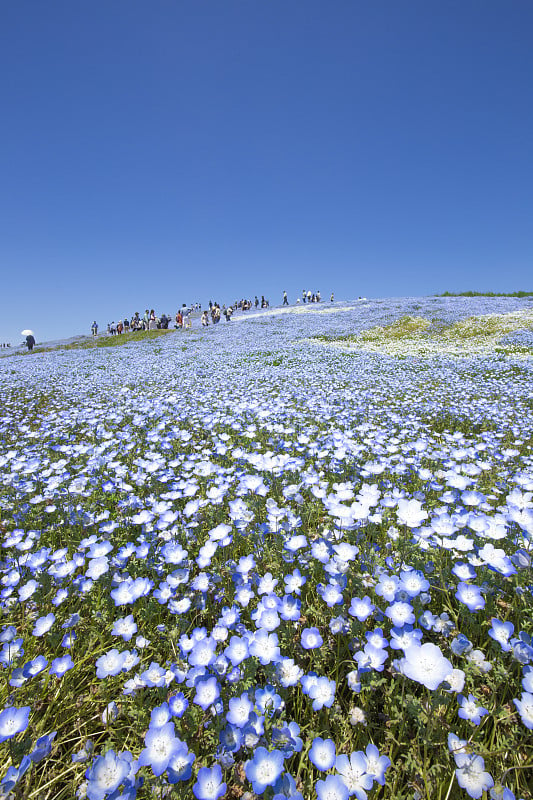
[248, 562]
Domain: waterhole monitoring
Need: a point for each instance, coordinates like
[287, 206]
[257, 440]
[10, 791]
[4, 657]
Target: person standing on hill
[30, 341]
[285, 299]
[94, 328]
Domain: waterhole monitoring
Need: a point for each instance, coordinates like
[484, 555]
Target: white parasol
[26, 332]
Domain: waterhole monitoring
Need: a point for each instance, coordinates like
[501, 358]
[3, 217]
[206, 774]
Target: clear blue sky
[161, 152]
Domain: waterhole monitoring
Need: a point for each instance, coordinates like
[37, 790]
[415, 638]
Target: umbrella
[26, 332]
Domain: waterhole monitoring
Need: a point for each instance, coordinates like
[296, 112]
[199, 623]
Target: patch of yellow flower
[417, 336]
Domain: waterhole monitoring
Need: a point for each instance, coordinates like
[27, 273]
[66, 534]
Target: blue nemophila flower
[106, 774]
[288, 672]
[27, 590]
[17, 678]
[525, 708]
[268, 620]
[110, 713]
[290, 608]
[161, 744]
[178, 704]
[496, 559]
[311, 638]
[287, 738]
[34, 667]
[455, 681]
[180, 763]
[84, 754]
[207, 692]
[332, 787]
[353, 771]
[61, 665]
[209, 784]
[111, 663]
[230, 738]
[126, 627]
[253, 731]
[460, 644]
[294, 582]
[97, 567]
[69, 639]
[500, 632]
[404, 637]
[13, 721]
[43, 624]
[425, 664]
[376, 638]
[470, 595]
[43, 747]
[411, 513]
[471, 774]
[339, 625]
[371, 658]
[203, 652]
[155, 675]
[322, 753]
[322, 693]
[60, 597]
[265, 647]
[11, 651]
[267, 699]
[237, 650]
[239, 710]
[400, 613]
[267, 584]
[469, 709]
[13, 776]
[527, 679]
[464, 571]
[376, 765]
[522, 649]
[160, 715]
[330, 594]
[8, 634]
[285, 788]
[501, 793]
[264, 768]
[361, 608]
[352, 679]
[413, 582]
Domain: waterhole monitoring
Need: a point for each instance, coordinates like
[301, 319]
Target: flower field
[286, 557]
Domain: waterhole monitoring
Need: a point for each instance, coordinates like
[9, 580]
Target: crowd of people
[150, 321]
[183, 318]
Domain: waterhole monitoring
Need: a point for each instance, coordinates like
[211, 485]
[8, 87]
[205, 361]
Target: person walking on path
[94, 328]
[30, 341]
[285, 299]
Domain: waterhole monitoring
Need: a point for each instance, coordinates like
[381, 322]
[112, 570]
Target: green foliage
[486, 294]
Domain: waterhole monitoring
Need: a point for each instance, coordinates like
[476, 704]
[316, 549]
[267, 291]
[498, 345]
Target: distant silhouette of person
[30, 341]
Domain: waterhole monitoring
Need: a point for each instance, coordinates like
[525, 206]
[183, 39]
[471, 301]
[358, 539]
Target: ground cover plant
[506, 333]
[246, 563]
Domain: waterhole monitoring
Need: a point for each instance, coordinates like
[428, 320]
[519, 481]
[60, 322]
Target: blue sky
[156, 153]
